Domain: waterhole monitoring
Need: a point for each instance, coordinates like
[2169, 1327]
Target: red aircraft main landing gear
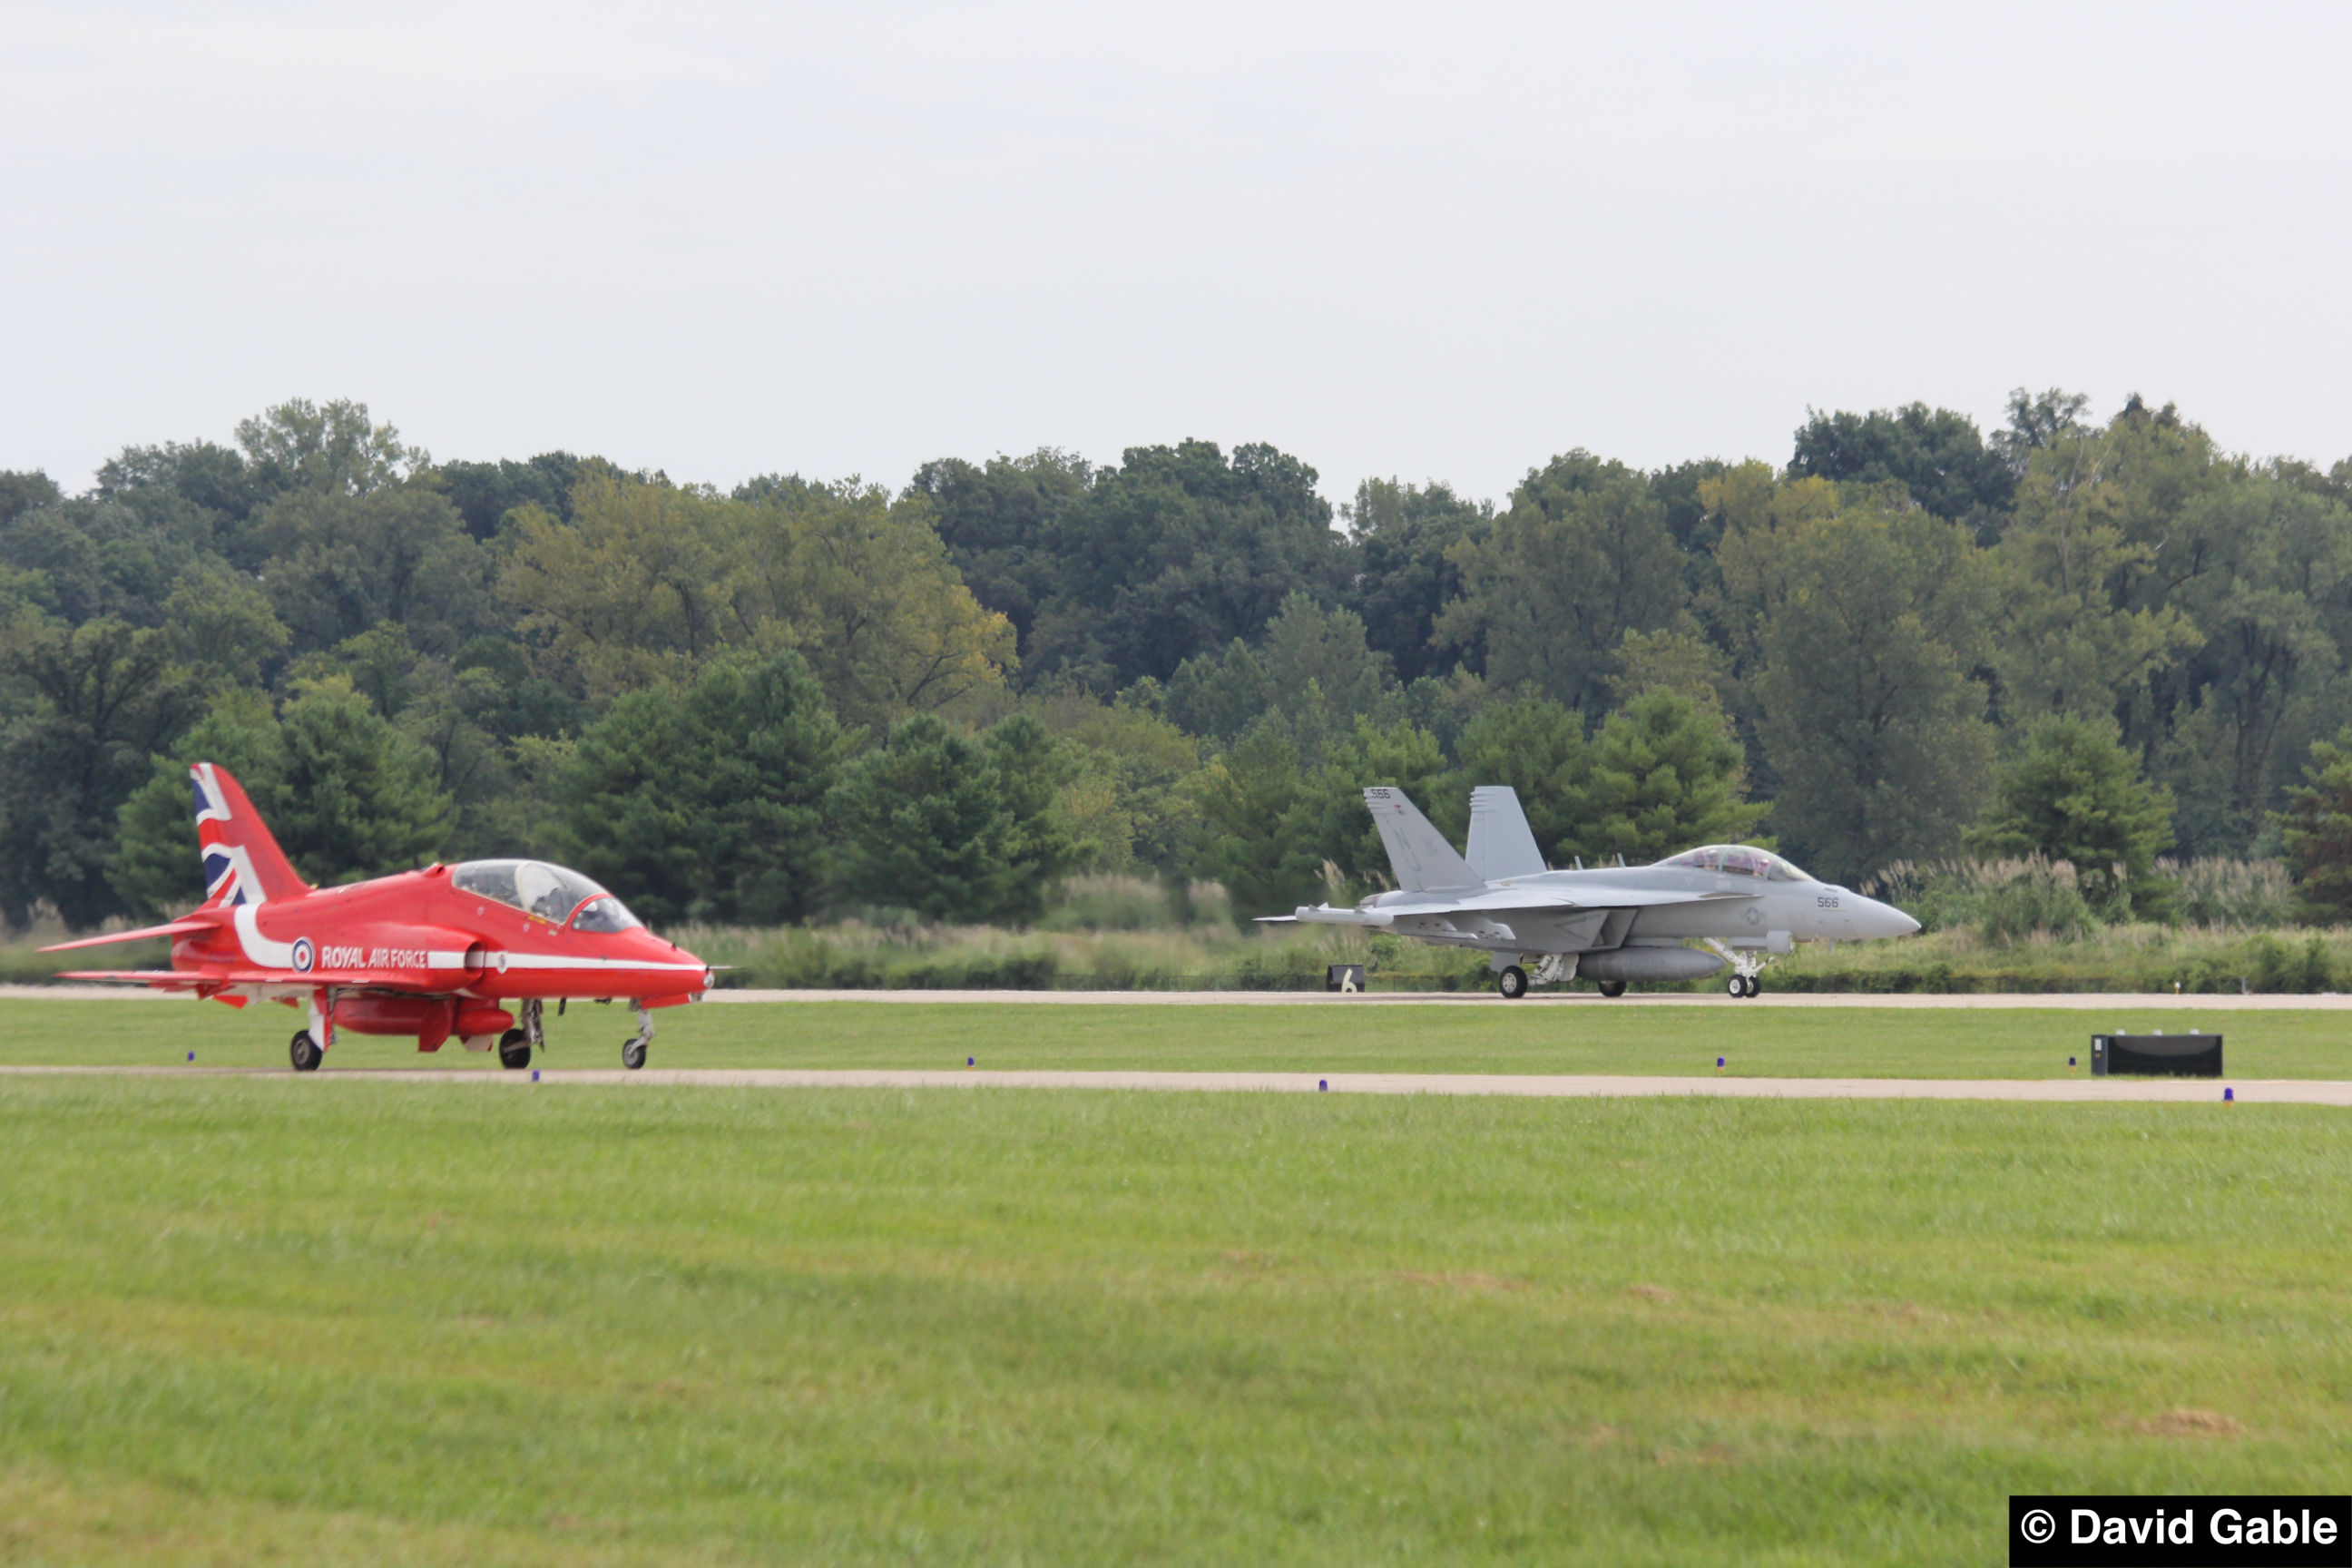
[516, 1045]
[633, 1050]
[305, 1052]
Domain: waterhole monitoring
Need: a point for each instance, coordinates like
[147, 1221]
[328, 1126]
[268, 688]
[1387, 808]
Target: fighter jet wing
[194, 979]
[161, 979]
[1587, 897]
[173, 928]
[1506, 903]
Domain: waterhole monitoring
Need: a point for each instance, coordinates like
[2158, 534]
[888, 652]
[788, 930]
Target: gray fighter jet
[1611, 925]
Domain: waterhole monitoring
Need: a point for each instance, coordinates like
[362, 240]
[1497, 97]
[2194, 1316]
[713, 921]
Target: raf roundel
[305, 955]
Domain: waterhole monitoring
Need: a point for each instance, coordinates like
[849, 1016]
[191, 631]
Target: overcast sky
[1431, 242]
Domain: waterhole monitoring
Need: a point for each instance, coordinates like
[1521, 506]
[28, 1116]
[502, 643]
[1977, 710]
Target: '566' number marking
[1826, 901]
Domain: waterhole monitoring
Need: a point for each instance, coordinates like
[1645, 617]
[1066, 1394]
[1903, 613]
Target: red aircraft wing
[191, 979]
[176, 927]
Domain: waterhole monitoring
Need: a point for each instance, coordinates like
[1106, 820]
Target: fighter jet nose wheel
[1744, 985]
[633, 1055]
[1512, 983]
[305, 1052]
[514, 1049]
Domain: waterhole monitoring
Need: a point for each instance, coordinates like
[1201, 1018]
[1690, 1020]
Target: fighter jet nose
[1885, 920]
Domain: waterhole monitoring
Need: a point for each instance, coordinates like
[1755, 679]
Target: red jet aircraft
[430, 954]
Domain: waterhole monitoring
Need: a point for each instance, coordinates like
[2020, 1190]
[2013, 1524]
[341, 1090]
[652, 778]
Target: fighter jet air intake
[1742, 905]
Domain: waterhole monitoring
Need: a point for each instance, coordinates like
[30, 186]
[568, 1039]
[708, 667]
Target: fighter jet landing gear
[305, 1053]
[632, 1052]
[516, 1045]
[1610, 987]
[1746, 964]
[1512, 983]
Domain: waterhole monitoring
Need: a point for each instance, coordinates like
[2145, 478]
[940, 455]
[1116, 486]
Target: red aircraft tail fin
[243, 864]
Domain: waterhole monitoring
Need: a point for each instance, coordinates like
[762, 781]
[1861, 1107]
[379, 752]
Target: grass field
[252, 1320]
[1594, 1037]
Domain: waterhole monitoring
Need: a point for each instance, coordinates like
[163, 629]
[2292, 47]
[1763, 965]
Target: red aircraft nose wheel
[305, 1052]
[633, 1053]
[514, 1049]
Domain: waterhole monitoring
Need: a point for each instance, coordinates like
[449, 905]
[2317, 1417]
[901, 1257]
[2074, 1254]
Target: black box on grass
[1344, 977]
[2175, 1056]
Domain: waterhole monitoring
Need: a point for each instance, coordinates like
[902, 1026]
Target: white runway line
[2250, 1091]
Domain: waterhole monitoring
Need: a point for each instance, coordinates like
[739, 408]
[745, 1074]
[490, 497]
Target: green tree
[2316, 827]
[340, 564]
[484, 493]
[1132, 797]
[2077, 634]
[329, 448]
[648, 581]
[23, 490]
[1661, 776]
[1400, 754]
[1218, 695]
[1031, 769]
[1871, 718]
[866, 592]
[88, 706]
[222, 628]
[709, 804]
[156, 867]
[1537, 747]
[1000, 521]
[1936, 455]
[1177, 551]
[2073, 794]
[1401, 533]
[921, 824]
[1257, 824]
[1549, 592]
[358, 797]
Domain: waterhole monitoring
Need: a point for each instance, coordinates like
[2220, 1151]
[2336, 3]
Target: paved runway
[2086, 1002]
[2255, 1091]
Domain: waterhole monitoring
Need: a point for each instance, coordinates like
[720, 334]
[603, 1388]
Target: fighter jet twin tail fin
[1424, 861]
[1501, 843]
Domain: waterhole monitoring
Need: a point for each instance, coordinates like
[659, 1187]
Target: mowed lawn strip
[245, 1319]
[1337, 1037]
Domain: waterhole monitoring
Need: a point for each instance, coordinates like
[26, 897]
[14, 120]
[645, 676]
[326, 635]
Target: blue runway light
[534, 1075]
[192, 1055]
[2229, 1097]
[1321, 1084]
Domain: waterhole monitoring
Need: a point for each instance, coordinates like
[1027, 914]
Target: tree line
[2097, 640]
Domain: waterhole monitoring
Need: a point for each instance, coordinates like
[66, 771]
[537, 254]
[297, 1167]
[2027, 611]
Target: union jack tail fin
[243, 864]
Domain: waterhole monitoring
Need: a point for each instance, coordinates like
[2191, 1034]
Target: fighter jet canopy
[551, 892]
[1737, 861]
